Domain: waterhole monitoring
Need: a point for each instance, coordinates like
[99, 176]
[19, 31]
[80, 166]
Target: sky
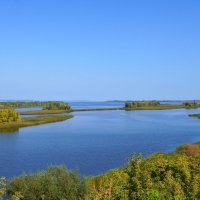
[99, 49]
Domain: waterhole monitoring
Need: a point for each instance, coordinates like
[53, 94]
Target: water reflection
[9, 130]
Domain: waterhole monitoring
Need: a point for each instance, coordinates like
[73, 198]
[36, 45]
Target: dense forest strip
[33, 121]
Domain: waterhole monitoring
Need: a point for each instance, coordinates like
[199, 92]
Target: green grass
[43, 112]
[32, 121]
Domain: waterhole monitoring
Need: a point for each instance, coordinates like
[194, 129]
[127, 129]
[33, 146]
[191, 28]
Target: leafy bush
[9, 115]
[56, 183]
[174, 176]
[2, 187]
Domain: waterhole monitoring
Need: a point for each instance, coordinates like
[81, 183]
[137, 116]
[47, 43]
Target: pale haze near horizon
[99, 50]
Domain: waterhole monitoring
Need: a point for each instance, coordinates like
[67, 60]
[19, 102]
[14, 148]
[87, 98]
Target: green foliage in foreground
[57, 183]
[174, 176]
[9, 115]
[56, 105]
[137, 104]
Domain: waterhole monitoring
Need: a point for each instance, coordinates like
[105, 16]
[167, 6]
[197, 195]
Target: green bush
[56, 183]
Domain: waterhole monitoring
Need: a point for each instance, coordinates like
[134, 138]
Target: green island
[171, 176]
[51, 107]
[156, 105]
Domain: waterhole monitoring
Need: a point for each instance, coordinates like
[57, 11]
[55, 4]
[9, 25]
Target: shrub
[56, 183]
[9, 115]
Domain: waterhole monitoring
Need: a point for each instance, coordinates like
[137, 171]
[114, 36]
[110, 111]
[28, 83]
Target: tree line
[48, 105]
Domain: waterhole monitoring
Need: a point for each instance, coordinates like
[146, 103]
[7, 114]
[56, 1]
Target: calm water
[95, 142]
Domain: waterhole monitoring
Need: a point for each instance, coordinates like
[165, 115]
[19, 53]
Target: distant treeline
[49, 105]
[174, 176]
[9, 115]
[137, 104]
[21, 104]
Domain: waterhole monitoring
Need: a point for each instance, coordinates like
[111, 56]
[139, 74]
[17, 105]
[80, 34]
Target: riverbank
[158, 176]
[33, 121]
[43, 112]
[195, 115]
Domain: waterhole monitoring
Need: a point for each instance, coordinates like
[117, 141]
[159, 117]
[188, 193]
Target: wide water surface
[94, 142]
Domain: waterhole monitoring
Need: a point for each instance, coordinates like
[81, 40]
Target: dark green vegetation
[155, 105]
[8, 115]
[173, 176]
[56, 105]
[137, 104]
[191, 104]
[32, 121]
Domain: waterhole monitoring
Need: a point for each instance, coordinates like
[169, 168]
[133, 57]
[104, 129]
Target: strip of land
[43, 112]
[33, 121]
[159, 107]
[195, 115]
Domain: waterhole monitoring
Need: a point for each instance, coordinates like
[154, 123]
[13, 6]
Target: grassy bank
[43, 112]
[170, 176]
[195, 115]
[32, 121]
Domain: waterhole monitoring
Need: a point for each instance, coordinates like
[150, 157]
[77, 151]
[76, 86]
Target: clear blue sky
[99, 49]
